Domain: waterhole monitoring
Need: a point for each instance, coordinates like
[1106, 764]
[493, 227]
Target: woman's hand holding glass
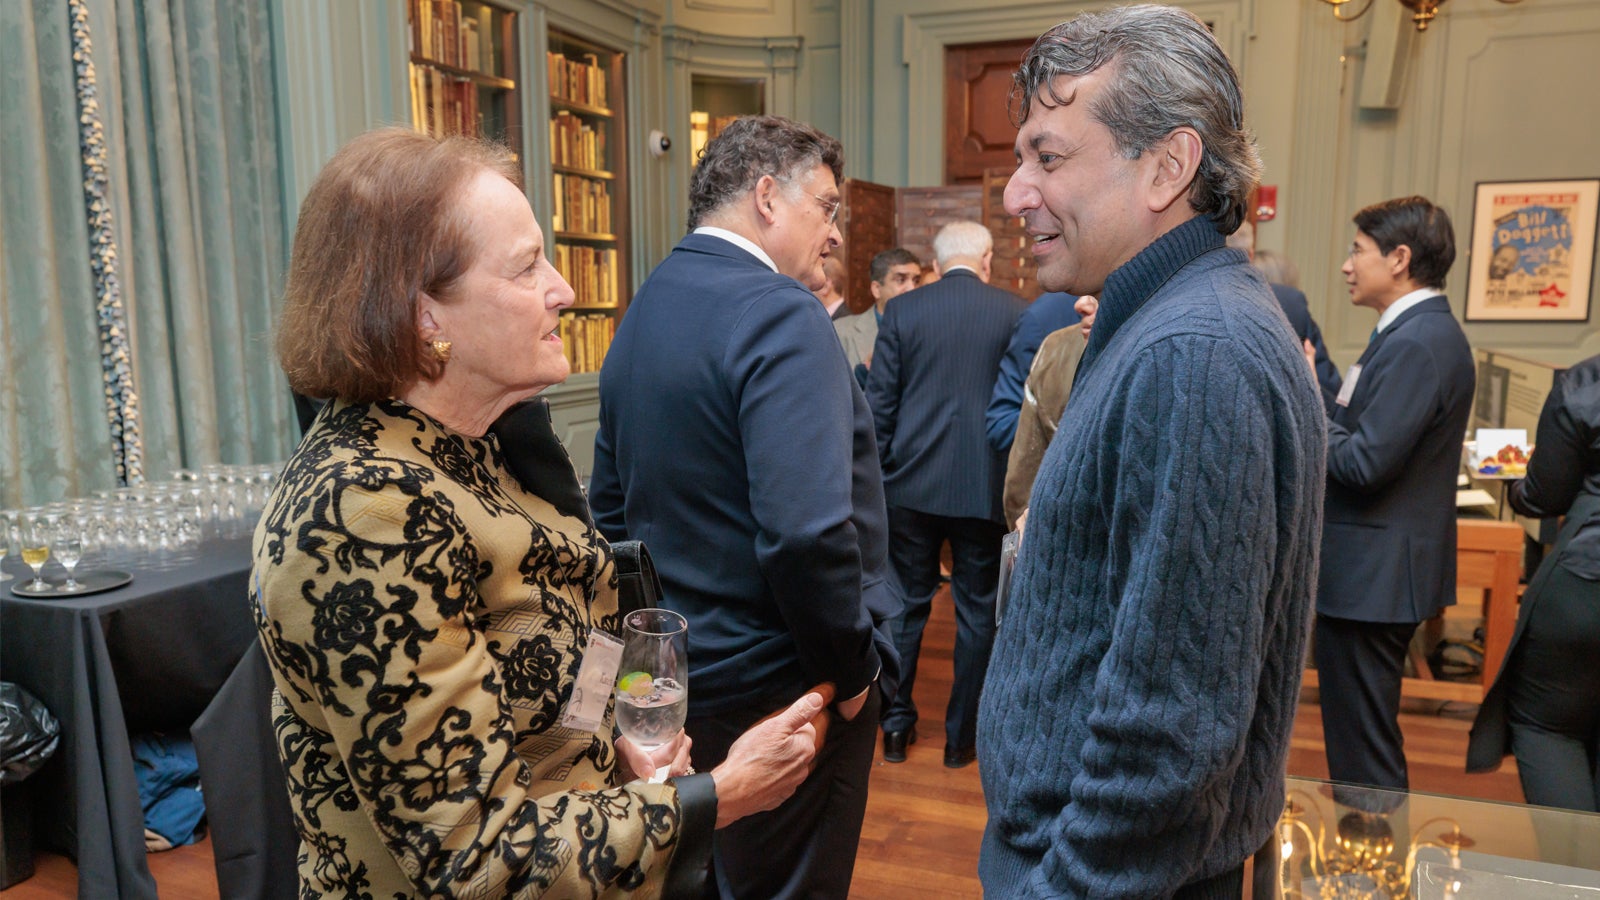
[668, 760]
[653, 689]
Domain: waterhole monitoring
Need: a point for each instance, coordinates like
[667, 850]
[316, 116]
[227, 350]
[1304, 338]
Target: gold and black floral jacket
[425, 618]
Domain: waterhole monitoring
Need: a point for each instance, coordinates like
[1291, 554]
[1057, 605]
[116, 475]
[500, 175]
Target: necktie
[1373, 336]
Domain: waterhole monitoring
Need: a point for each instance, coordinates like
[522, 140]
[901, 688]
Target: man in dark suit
[735, 443]
[1394, 449]
[1298, 311]
[933, 371]
[1047, 314]
[1292, 300]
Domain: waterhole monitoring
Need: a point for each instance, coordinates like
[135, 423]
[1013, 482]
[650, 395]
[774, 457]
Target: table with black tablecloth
[145, 657]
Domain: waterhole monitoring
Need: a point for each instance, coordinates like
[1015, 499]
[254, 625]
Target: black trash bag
[28, 733]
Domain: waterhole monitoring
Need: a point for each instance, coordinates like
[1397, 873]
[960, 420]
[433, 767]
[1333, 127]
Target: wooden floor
[924, 822]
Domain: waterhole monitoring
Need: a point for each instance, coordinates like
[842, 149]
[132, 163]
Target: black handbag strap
[638, 586]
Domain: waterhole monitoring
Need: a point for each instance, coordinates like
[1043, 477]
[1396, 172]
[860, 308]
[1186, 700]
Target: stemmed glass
[8, 537]
[68, 548]
[653, 690]
[35, 539]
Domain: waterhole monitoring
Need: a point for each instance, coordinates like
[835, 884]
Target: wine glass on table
[8, 537]
[653, 688]
[68, 548]
[34, 538]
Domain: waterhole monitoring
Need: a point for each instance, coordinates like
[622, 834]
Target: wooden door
[978, 133]
[867, 221]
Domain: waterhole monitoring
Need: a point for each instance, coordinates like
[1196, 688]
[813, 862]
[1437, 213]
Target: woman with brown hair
[429, 605]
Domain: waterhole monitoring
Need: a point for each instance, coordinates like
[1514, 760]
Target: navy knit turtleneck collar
[1136, 280]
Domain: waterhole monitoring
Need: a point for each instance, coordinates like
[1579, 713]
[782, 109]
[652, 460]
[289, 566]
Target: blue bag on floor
[169, 786]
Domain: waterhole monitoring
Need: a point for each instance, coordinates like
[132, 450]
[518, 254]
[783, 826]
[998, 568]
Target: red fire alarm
[1267, 203]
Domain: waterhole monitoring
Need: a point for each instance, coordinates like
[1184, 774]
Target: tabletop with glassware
[1341, 840]
[124, 612]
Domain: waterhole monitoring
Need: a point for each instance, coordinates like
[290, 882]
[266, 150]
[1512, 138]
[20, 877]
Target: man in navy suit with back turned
[735, 443]
[933, 372]
[1394, 449]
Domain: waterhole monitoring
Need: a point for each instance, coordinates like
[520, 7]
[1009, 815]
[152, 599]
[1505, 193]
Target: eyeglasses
[832, 206]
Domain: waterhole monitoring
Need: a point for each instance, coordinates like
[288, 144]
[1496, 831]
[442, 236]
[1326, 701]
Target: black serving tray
[91, 582]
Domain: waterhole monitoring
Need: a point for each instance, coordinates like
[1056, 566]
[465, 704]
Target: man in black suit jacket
[1298, 311]
[736, 444]
[1394, 450]
[1295, 306]
[933, 370]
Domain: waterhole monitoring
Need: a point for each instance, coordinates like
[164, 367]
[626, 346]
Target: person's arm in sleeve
[412, 698]
[1327, 373]
[605, 487]
[883, 381]
[1401, 385]
[1556, 471]
[795, 411]
[1000, 419]
[1176, 690]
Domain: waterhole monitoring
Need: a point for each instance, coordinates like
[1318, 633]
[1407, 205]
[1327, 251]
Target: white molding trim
[749, 7]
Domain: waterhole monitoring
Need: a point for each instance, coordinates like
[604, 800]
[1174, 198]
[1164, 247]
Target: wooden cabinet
[464, 69]
[589, 191]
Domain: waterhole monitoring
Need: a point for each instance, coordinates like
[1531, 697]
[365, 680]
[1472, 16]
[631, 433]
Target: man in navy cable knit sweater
[1135, 723]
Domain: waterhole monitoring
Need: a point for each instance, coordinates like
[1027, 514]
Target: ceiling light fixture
[1422, 11]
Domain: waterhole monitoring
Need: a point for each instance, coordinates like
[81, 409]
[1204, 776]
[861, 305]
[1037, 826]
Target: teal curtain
[200, 204]
[186, 97]
[55, 438]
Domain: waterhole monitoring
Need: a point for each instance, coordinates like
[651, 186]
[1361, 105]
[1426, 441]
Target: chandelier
[1422, 11]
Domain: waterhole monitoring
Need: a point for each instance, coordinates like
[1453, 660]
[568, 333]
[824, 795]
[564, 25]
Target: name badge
[1349, 388]
[598, 672]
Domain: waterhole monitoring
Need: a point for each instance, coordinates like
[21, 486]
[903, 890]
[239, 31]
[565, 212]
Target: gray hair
[1170, 72]
[1277, 268]
[754, 146]
[961, 240]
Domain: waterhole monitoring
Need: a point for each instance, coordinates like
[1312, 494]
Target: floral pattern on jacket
[426, 618]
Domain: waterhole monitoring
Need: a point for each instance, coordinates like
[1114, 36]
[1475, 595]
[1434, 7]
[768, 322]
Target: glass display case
[1337, 840]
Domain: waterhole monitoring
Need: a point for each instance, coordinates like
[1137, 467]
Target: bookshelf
[589, 202]
[464, 66]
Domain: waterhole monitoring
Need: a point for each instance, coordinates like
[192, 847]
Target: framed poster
[1533, 249]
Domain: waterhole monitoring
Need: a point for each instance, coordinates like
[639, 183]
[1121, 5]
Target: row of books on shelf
[577, 80]
[443, 32]
[443, 104]
[591, 271]
[582, 204]
[574, 142]
[586, 340]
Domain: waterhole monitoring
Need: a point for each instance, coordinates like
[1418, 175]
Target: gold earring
[441, 350]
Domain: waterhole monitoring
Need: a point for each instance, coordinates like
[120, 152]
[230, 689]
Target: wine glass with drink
[35, 540]
[653, 689]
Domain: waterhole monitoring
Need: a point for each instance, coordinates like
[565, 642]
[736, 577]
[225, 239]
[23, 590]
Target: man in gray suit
[933, 371]
[893, 272]
[1394, 449]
